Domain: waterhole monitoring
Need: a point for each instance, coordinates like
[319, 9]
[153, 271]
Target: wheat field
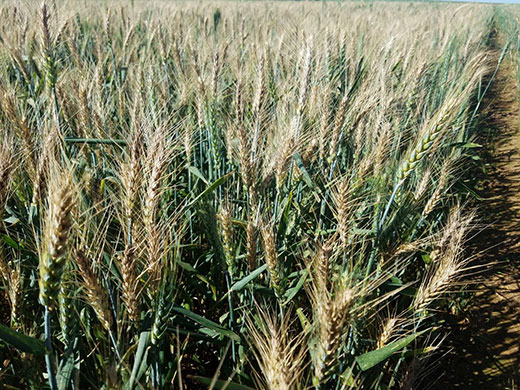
[237, 196]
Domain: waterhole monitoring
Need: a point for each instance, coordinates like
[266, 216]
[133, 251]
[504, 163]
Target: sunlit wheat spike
[305, 78]
[251, 245]
[279, 352]
[324, 124]
[283, 159]
[342, 201]
[46, 36]
[227, 237]
[131, 175]
[448, 261]
[439, 190]
[323, 265]
[331, 313]
[239, 102]
[15, 294]
[431, 136]
[416, 155]
[261, 88]
[54, 246]
[339, 120]
[49, 62]
[216, 73]
[271, 257]
[8, 103]
[247, 168]
[130, 286]
[95, 293]
[40, 178]
[66, 313]
[6, 171]
[156, 163]
[423, 184]
[387, 331]
[165, 301]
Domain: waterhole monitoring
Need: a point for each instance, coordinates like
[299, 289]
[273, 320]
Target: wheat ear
[96, 295]
[57, 229]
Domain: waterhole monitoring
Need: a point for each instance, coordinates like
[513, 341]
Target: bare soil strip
[485, 339]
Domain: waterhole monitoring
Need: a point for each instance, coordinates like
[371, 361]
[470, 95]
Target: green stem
[48, 350]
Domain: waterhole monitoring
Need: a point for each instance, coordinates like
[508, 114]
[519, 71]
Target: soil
[484, 341]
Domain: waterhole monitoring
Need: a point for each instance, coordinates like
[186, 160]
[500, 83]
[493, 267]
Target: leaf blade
[21, 341]
[244, 281]
[373, 358]
[207, 323]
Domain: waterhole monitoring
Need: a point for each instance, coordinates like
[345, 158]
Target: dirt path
[485, 340]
